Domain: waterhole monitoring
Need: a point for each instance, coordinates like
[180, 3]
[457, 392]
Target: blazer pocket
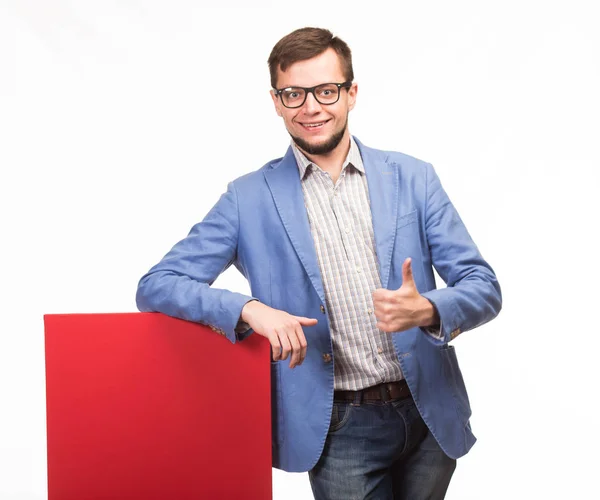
[408, 238]
[406, 219]
[455, 380]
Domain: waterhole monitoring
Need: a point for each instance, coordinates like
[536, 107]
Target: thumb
[407, 274]
[306, 321]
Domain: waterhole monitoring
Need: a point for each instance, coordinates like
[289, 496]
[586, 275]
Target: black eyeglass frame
[311, 90]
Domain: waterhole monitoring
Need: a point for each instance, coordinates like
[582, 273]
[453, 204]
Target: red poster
[141, 406]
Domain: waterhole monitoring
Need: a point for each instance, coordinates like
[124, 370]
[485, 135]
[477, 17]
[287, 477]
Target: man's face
[316, 128]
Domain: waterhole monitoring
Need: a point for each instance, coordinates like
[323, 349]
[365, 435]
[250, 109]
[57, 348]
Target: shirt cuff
[241, 327]
[435, 331]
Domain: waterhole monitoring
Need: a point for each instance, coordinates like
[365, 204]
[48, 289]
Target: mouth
[313, 126]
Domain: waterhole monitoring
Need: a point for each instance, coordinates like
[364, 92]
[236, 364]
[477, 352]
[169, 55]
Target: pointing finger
[306, 321]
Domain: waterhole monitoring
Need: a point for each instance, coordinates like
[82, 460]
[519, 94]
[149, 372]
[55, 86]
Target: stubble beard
[325, 147]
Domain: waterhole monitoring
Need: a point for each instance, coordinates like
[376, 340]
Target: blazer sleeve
[472, 296]
[180, 284]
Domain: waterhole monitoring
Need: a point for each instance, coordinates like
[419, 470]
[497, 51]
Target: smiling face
[317, 129]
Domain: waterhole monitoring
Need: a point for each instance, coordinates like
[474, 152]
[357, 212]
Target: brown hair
[306, 43]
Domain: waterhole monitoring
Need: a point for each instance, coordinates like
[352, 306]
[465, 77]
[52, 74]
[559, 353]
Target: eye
[327, 92]
[292, 95]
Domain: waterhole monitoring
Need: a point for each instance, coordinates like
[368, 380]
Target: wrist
[428, 314]
[248, 309]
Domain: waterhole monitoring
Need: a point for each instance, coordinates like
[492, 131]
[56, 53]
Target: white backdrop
[120, 122]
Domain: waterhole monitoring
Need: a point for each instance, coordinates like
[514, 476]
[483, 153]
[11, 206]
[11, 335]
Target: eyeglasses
[326, 93]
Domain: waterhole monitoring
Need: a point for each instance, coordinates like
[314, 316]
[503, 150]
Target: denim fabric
[380, 451]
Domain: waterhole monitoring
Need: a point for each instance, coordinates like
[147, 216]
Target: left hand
[405, 308]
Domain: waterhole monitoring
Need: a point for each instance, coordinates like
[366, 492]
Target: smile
[314, 126]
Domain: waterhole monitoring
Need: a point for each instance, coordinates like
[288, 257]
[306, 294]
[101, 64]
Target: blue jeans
[380, 451]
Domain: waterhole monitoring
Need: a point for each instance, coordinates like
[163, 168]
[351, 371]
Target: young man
[337, 241]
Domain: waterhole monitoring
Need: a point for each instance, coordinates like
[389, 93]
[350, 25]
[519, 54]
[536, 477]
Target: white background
[121, 122]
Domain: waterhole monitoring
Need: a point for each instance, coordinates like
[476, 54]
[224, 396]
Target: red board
[144, 406]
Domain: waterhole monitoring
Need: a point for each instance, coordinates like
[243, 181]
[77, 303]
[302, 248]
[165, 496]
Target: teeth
[313, 124]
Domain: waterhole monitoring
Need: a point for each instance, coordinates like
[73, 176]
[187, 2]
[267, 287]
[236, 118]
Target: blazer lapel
[383, 193]
[286, 189]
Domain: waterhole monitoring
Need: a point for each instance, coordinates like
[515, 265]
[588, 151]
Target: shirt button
[347, 230]
[380, 350]
[322, 309]
[369, 311]
[358, 270]
[326, 357]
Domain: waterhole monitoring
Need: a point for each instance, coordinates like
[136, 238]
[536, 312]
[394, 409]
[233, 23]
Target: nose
[311, 105]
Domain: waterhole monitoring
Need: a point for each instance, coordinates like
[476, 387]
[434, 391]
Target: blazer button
[322, 308]
[326, 357]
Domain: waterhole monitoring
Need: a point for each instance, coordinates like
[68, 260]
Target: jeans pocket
[414, 427]
[340, 414]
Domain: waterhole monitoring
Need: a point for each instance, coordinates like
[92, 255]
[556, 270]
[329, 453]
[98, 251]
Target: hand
[283, 330]
[405, 308]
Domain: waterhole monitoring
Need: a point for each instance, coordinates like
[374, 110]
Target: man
[337, 241]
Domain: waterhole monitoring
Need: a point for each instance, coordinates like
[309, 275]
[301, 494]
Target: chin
[321, 144]
[317, 141]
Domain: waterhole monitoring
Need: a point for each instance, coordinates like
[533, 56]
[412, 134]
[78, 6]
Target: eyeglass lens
[327, 93]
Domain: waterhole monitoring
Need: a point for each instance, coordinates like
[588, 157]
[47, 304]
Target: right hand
[281, 329]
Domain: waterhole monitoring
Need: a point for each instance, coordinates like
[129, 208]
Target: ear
[276, 102]
[352, 92]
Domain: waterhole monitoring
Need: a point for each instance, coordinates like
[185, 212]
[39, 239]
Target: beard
[325, 147]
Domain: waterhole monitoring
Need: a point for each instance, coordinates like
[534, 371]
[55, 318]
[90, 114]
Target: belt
[387, 391]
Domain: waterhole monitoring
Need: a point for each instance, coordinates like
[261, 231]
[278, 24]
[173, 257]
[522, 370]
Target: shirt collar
[353, 158]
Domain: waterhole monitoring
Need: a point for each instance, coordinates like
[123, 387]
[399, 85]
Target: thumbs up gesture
[405, 308]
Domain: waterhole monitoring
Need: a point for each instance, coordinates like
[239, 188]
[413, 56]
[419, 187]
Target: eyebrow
[305, 86]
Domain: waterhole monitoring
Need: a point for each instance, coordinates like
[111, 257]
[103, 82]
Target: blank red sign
[144, 406]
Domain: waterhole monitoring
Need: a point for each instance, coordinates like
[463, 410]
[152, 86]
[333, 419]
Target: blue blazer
[260, 226]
